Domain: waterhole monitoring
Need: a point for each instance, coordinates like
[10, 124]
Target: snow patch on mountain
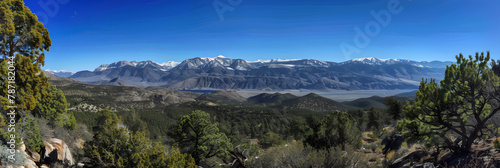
[142, 64]
[61, 73]
[274, 60]
[378, 61]
[58, 71]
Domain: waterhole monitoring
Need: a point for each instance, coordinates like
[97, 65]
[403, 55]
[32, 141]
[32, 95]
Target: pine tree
[337, 129]
[200, 137]
[465, 100]
[495, 66]
[115, 146]
[395, 107]
[299, 128]
[373, 119]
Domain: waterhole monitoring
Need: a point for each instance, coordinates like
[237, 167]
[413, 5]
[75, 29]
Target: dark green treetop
[201, 138]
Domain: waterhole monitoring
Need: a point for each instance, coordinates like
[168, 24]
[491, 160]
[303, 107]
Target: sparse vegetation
[497, 143]
[337, 129]
[298, 155]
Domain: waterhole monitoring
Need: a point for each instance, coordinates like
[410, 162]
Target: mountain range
[61, 73]
[277, 74]
[85, 97]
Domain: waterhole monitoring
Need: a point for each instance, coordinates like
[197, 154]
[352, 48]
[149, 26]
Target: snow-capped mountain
[216, 62]
[143, 64]
[225, 73]
[170, 64]
[61, 73]
[377, 61]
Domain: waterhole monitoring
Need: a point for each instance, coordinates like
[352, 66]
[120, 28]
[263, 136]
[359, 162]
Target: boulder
[57, 150]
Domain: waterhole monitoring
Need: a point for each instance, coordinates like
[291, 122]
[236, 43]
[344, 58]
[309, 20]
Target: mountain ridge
[225, 73]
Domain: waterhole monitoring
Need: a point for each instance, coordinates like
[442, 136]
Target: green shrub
[296, 155]
[4, 154]
[270, 139]
[31, 135]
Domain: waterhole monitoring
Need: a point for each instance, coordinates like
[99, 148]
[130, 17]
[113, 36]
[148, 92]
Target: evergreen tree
[360, 117]
[299, 128]
[177, 160]
[395, 107]
[495, 66]
[335, 129]
[109, 147]
[23, 42]
[201, 138]
[467, 97]
[114, 146]
[270, 139]
[373, 119]
[23, 36]
[33, 137]
[53, 106]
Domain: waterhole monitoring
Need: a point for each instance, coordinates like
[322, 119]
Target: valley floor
[337, 95]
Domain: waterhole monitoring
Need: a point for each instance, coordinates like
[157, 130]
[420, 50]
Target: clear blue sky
[87, 33]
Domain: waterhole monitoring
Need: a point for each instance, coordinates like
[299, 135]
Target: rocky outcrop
[57, 150]
[28, 163]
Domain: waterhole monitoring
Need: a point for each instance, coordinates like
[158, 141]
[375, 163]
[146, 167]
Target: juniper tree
[53, 106]
[26, 38]
[23, 42]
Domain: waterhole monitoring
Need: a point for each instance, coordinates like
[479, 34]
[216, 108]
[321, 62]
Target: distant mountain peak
[274, 60]
[219, 61]
[220, 57]
[170, 63]
[312, 95]
[374, 59]
[378, 61]
[61, 73]
[163, 66]
[58, 71]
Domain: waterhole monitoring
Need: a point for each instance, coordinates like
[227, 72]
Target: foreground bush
[295, 155]
[115, 146]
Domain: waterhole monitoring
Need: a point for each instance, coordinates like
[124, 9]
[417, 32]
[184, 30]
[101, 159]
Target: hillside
[267, 98]
[314, 102]
[375, 101]
[222, 97]
[85, 97]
